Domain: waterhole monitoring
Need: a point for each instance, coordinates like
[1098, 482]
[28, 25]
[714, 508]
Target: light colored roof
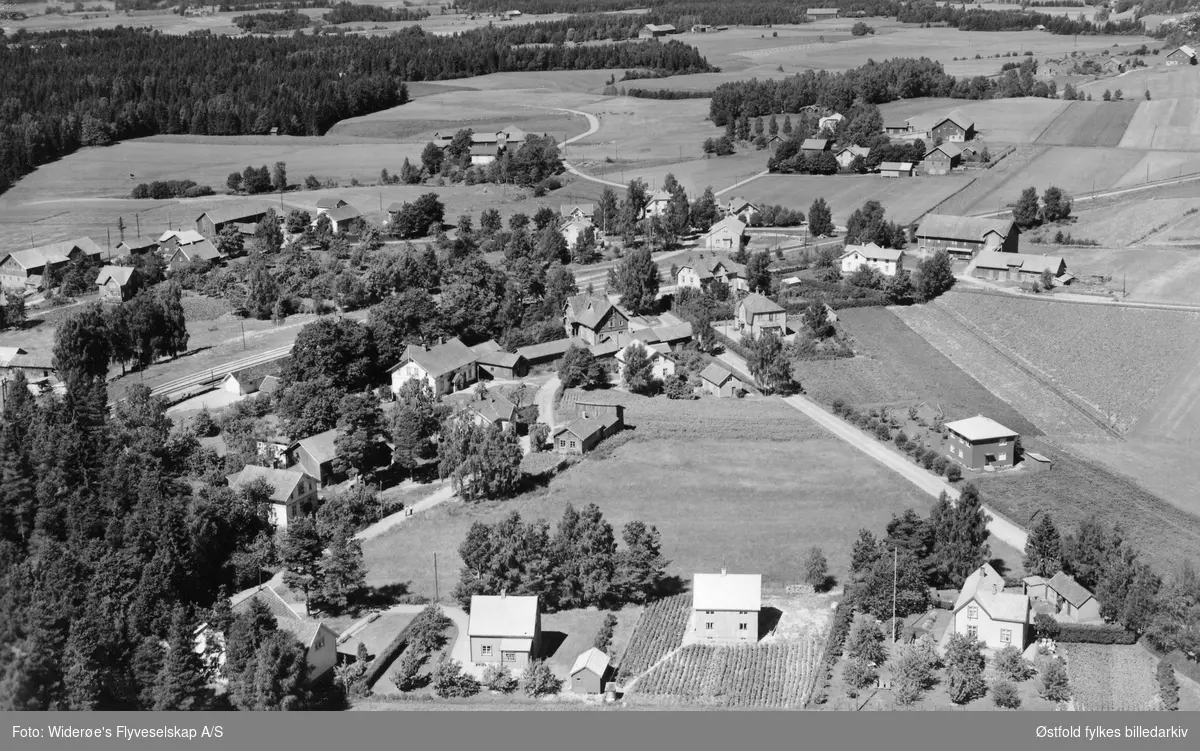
[122, 274]
[342, 213]
[546, 349]
[587, 209]
[725, 591]
[330, 202]
[492, 408]
[820, 144]
[983, 579]
[1071, 590]
[287, 619]
[440, 360]
[586, 427]
[660, 27]
[959, 119]
[237, 212]
[593, 660]
[980, 428]
[1186, 50]
[862, 151]
[53, 253]
[732, 223]
[737, 203]
[268, 384]
[321, 447]
[282, 481]
[658, 195]
[185, 236]
[8, 353]
[1004, 606]
[755, 304]
[1034, 581]
[717, 374]
[971, 228]
[1037, 457]
[949, 148]
[874, 252]
[508, 615]
[901, 166]
[1035, 264]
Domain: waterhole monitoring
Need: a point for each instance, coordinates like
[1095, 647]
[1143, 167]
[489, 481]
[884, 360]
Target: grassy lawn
[377, 635]
[572, 632]
[757, 505]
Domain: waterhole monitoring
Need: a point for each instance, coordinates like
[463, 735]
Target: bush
[928, 457]
[1168, 686]
[1045, 626]
[1011, 665]
[866, 642]
[604, 636]
[449, 680]
[953, 472]
[1005, 695]
[1094, 633]
[678, 387]
[858, 674]
[384, 659]
[1055, 686]
[883, 432]
[940, 465]
[839, 406]
[498, 678]
[540, 681]
[203, 424]
[538, 435]
[406, 675]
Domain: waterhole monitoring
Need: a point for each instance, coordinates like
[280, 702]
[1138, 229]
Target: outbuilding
[587, 674]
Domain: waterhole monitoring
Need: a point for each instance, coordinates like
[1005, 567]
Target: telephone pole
[895, 563]
[436, 595]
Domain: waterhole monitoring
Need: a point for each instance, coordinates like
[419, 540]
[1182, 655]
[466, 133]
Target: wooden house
[193, 253]
[814, 146]
[954, 127]
[979, 442]
[725, 608]
[1071, 600]
[887, 261]
[727, 234]
[319, 641]
[27, 269]
[588, 672]
[718, 380]
[447, 367]
[493, 362]
[243, 216]
[985, 612]
[314, 455]
[897, 169]
[118, 283]
[1016, 267]
[293, 493]
[593, 318]
[592, 424]
[942, 159]
[505, 629]
[137, 246]
[756, 314]
[1183, 55]
[965, 236]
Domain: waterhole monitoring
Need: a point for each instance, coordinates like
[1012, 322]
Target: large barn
[964, 236]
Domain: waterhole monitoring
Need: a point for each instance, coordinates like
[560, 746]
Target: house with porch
[756, 314]
[505, 629]
[725, 608]
[293, 493]
[447, 367]
[985, 612]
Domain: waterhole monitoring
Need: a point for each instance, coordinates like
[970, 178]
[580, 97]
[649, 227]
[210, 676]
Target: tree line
[976, 19]
[684, 13]
[107, 85]
[268, 23]
[358, 13]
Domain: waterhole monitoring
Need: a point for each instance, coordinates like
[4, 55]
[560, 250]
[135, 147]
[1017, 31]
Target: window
[1006, 635]
[960, 453]
[1003, 457]
[510, 657]
[319, 643]
[562, 443]
[741, 627]
[485, 650]
[973, 632]
[1003, 441]
[572, 444]
[972, 612]
[708, 612]
[708, 626]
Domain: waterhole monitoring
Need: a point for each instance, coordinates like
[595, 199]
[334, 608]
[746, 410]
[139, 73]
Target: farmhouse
[727, 234]
[1054, 68]
[942, 159]
[494, 362]
[505, 629]
[244, 217]
[137, 246]
[1184, 55]
[886, 261]
[35, 366]
[329, 203]
[718, 380]
[19, 268]
[486, 408]
[1112, 65]
[1071, 600]
[662, 364]
[697, 272]
[897, 127]
[954, 127]
[341, 218]
[575, 211]
[756, 314]
[587, 674]
[819, 13]
[484, 153]
[447, 367]
[185, 254]
[829, 123]
[320, 642]
[654, 31]
[593, 318]
[846, 156]
[249, 380]
[814, 146]
[1016, 267]
[293, 493]
[725, 607]
[314, 455]
[574, 229]
[897, 169]
[741, 208]
[984, 611]
[979, 442]
[964, 236]
[656, 204]
[592, 424]
[118, 283]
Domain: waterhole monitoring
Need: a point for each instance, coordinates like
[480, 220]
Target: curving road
[593, 126]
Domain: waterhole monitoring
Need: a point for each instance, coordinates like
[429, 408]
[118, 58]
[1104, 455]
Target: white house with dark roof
[887, 261]
[591, 424]
[756, 314]
[727, 234]
[656, 203]
[725, 608]
[846, 156]
[574, 229]
[569, 211]
[505, 629]
[293, 493]
[318, 639]
[662, 363]
[446, 367]
[984, 611]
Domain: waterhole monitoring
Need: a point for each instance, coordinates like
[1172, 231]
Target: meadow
[1090, 124]
[905, 199]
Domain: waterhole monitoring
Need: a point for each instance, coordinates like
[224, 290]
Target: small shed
[587, 674]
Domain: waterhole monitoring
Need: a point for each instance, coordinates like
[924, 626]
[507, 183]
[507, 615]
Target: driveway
[441, 495]
[545, 401]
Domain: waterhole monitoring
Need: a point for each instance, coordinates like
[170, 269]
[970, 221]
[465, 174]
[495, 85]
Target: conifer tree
[180, 685]
[1043, 549]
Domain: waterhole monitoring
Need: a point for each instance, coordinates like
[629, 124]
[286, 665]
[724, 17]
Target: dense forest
[693, 11]
[100, 86]
[976, 19]
[266, 23]
[355, 13]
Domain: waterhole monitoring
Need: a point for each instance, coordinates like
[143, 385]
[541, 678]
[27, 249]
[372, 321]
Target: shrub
[928, 457]
[953, 472]
[203, 424]
[1012, 666]
[604, 636]
[498, 678]
[1093, 633]
[940, 465]
[839, 406]
[406, 675]
[858, 674]
[1055, 686]
[1168, 686]
[866, 642]
[678, 387]
[538, 435]
[540, 681]
[1045, 626]
[883, 432]
[449, 680]
[1004, 694]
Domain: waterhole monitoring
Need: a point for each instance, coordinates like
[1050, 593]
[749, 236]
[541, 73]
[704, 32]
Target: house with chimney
[984, 611]
[593, 318]
[118, 283]
[449, 366]
[725, 608]
[505, 630]
[293, 493]
[756, 314]
[591, 424]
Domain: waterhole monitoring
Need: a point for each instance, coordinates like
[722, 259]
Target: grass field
[759, 505]
[1112, 678]
[998, 121]
[905, 199]
[1164, 124]
[1143, 219]
[1090, 124]
[1175, 82]
[694, 174]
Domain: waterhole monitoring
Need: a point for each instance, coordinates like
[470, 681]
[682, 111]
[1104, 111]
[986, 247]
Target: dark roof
[330, 202]
[235, 213]
[440, 360]
[122, 275]
[717, 373]
[970, 228]
[1071, 590]
[253, 375]
[139, 243]
[492, 407]
[817, 144]
[549, 349]
[322, 447]
[586, 427]
[484, 149]
[755, 304]
[588, 310]
[203, 250]
[342, 213]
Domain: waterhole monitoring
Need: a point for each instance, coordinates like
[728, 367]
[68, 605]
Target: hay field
[1174, 82]
[905, 199]
[1160, 165]
[1090, 124]
[695, 174]
[1165, 124]
[645, 129]
[1016, 121]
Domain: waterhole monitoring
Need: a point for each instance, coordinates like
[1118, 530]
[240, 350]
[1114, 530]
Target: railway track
[214, 374]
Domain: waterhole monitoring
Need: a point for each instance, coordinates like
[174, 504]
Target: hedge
[843, 616]
[1094, 633]
[384, 659]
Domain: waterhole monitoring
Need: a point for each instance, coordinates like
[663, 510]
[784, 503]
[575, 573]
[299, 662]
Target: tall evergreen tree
[960, 544]
[641, 567]
[180, 685]
[342, 571]
[301, 553]
[636, 279]
[1043, 549]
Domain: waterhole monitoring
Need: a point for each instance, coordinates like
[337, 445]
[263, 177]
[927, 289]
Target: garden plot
[771, 676]
[1090, 124]
[1112, 678]
[659, 631]
[1095, 353]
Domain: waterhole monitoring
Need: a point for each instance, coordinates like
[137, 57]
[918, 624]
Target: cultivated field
[1090, 124]
[659, 631]
[1176, 82]
[998, 121]
[1112, 678]
[1164, 124]
[905, 199]
[645, 129]
[1094, 353]
[769, 676]
[1141, 220]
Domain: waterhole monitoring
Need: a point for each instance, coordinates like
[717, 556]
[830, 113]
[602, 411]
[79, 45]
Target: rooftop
[725, 591]
[593, 660]
[184, 236]
[122, 274]
[238, 212]
[282, 481]
[439, 360]
[342, 213]
[971, 228]
[1071, 590]
[756, 304]
[980, 428]
[1034, 264]
[874, 252]
[321, 447]
[503, 615]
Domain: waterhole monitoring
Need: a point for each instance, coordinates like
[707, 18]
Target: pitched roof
[673, 333]
[874, 252]
[862, 151]
[204, 250]
[547, 349]
[139, 243]
[717, 374]
[660, 27]
[513, 133]
[949, 148]
[658, 195]
[732, 223]
[1004, 606]
[755, 304]
[287, 619]
[959, 119]
[330, 202]
[971, 228]
[980, 428]
[122, 274]
[492, 407]
[500, 358]
[52, 253]
[184, 236]
[237, 212]
[1034, 264]
[983, 579]
[1071, 590]
[282, 481]
[491, 345]
[593, 660]
[900, 166]
[8, 353]
[269, 384]
[566, 209]
[321, 447]
[503, 615]
[253, 375]
[588, 310]
[485, 138]
[819, 144]
[726, 591]
[586, 427]
[1034, 580]
[1186, 50]
[440, 360]
[342, 213]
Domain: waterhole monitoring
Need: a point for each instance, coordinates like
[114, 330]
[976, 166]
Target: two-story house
[293, 493]
[979, 442]
[448, 367]
[984, 611]
[727, 234]
[593, 318]
[725, 608]
[756, 314]
[887, 261]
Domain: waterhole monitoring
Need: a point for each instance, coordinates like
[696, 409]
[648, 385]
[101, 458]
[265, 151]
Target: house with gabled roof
[727, 234]
[490, 408]
[293, 493]
[593, 318]
[249, 380]
[1071, 600]
[985, 612]
[896, 127]
[820, 13]
[942, 159]
[697, 271]
[964, 236]
[573, 230]
[662, 362]
[570, 211]
[1182, 55]
[329, 203]
[656, 203]
[318, 639]
[744, 209]
[447, 367]
[173, 238]
[654, 31]
[137, 246]
[1016, 267]
[588, 672]
[887, 261]
[814, 146]
[979, 442]
[22, 269]
[315, 455]
[846, 156]
[182, 255]
[592, 423]
[829, 123]
[492, 361]
[341, 218]
[757, 313]
[725, 608]
[244, 216]
[505, 629]
[718, 380]
[118, 283]
[954, 127]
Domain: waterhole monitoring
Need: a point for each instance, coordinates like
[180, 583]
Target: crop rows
[762, 675]
[1114, 359]
[1108, 678]
[658, 631]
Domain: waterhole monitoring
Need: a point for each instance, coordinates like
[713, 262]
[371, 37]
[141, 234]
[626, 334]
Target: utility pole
[138, 219]
[243, 325]
[436, 596]
[895, 563]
